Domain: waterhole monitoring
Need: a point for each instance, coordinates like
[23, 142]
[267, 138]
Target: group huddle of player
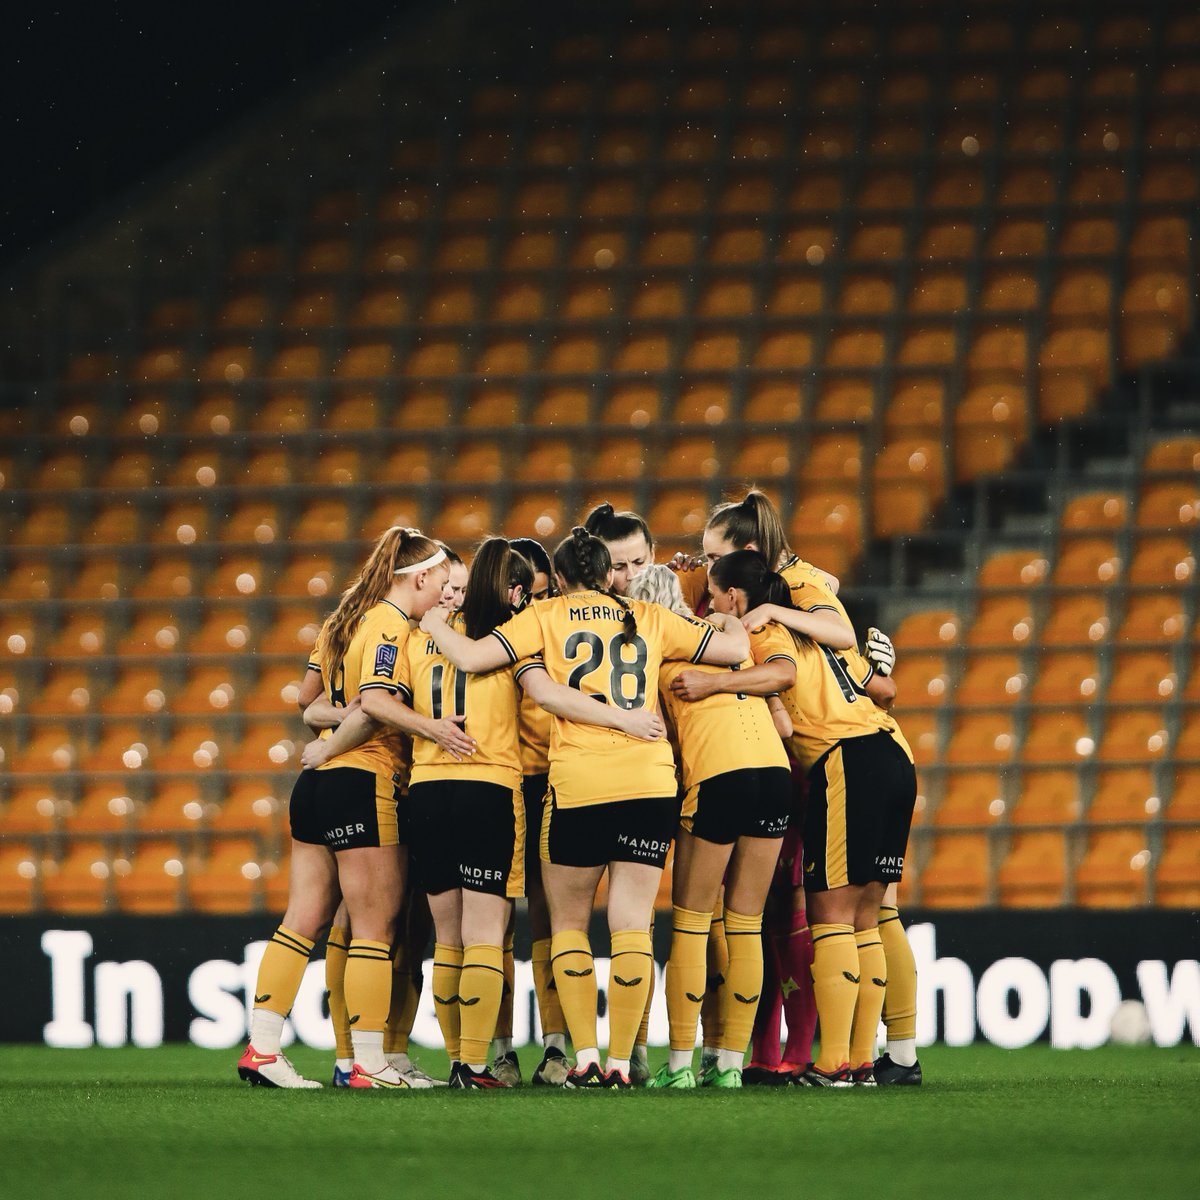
[539, 722]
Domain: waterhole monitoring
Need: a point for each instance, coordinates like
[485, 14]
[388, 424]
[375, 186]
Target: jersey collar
[398, 609]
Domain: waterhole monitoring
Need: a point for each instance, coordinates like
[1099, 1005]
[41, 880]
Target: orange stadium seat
[991, 680]
[972, 798]
[957, 873]
[1142, 677]
[1154, 618]
[678, 512]
[1047, 797]
[981, 739]
[1095, 510]
[1133, 736]
[176, 807]
[19, 871]
[536, 514]
[1076, 621]
[1114, 870]
[227, 879]
[1177, 874]
[1034, 874]
[1066, 677]
[917, 408]
[1087, 561]
[81, 881]
[1168, 506]
[1059, 738]
[33, 809]
[154, 880]
[1123, 796]
[1002, 621]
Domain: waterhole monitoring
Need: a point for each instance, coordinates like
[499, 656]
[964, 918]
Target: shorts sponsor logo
[343, 832]
[643, 847]
[385, 660]
[479, 872]
[895, 861]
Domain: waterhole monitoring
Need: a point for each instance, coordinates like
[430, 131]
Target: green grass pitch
[176, 1122]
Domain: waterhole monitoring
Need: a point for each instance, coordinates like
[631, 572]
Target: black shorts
[342, 808]
[636, 831]
[465, 833]
[752, 802]
[534, 789]
[860, 805]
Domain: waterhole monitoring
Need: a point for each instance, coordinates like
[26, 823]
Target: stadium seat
[1034, 873]
[226, 880]
[80, 882]
[1153, 618]
[1141, 677]
[1177, 874]
[1114, 870]
[1087, 561]
[1076, 621]
[1047, 797]
[1133, 736]
[981, 739]
[1058, 738]
[957, 873]
[175, 808]
[1066, 677]
[990, 681]
[33, 809]
[1168, 506]
[1002, 621]
[1123, 796]
[153, 881]
[20, 868]
[1011, 570]
[971, 799]
[1095, 510]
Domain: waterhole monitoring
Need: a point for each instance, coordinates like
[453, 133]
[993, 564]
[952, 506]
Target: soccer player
[737, 796]
[535, 767]
[862, 787]
[612, 802]
[456, 586]
[346, 828]
[630, 544]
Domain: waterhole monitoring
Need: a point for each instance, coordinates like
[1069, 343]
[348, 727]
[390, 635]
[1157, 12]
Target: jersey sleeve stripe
[315, 667]
[512, 654]
[529, 666]
[390, 688]
[406, 694]
[703, 644]
[819, 608]
[781, 658]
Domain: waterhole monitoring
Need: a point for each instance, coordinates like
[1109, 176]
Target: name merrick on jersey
[596, 612]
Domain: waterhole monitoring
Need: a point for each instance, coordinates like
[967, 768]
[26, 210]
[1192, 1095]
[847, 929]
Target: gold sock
[900, 1001]
[718, 965]
[743, 982]
[550, 1011]
[447, 968]
[872, 984]
[401, 1013]
[835, 985]
[575, 979]
[281, 971]
[686, 972]
[504, 1021]
[368, 985]
[630, 976]
[643, 1033]
[480, 988]
[336, 948]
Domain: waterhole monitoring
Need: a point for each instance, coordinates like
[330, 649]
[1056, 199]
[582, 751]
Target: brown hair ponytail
[753, 519]
[496, 569]
[396, 548]
[583, 560]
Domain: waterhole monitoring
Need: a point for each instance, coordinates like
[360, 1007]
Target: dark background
[97, 99]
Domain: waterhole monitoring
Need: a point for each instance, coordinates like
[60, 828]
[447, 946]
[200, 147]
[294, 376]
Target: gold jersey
[828, 701]
[436, 689]
[372, 661]
[535, 737]
[579, 638]
[724, 732]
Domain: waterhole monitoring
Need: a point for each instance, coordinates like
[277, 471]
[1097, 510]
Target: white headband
[431, 561]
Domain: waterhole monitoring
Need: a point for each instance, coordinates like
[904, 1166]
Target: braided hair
[583, 560]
